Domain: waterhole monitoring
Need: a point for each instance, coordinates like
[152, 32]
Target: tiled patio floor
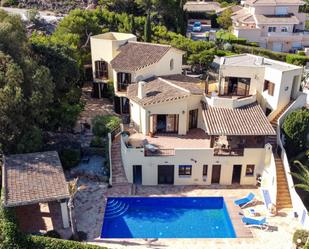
[41, 217]
[196, 138]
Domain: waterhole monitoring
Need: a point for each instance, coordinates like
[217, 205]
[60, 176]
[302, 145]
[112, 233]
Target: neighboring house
[274, 24]
[186, 132]
[119, 58]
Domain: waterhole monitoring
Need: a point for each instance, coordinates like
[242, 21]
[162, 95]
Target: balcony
[227, 99]
[235, 145]
[166, 144]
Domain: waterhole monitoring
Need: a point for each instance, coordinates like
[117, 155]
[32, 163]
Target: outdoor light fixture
[183, 112]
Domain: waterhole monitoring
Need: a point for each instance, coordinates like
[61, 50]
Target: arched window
[171, 64]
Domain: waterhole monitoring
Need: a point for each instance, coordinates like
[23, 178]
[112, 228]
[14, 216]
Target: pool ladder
[115, 208]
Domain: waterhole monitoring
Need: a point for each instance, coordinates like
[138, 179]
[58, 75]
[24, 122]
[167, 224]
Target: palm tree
[73, 189]
[302, 176]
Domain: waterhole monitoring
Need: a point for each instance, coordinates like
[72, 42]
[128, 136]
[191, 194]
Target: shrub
[52, 234]
[70, 158]
[226, 37]
[302, 235]
[299, 60]
[101, 125]
[296, 129]
[40, 242]
[8, 3]
[97, 142]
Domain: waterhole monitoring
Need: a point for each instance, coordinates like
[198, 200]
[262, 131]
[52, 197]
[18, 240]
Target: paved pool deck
[91, 211]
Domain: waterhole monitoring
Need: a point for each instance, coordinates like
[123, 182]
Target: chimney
[259, 60]
[141, 89]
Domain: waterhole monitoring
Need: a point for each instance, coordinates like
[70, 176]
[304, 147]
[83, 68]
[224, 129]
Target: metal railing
[115, 132]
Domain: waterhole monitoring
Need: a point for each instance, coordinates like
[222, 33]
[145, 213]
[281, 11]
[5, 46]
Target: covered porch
[229, 87]
[36, 188]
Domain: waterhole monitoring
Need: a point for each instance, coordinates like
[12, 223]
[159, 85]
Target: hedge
[40, 242]
[240, 49]
[12, 238]
[295, 59]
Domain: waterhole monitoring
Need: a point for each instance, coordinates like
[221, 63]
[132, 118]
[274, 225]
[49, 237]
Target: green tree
[296, 129]
[302, 176]
[225, 20]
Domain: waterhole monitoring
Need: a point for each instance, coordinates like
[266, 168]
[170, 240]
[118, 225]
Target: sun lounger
[255, 222]
[243, 202]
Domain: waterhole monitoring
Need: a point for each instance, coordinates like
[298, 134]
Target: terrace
[164, 144]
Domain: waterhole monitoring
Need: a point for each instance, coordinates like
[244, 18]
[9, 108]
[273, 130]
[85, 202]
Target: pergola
[35, 178]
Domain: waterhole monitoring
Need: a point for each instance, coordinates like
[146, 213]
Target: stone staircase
[283, 193]
[119, 176]
[273, 139]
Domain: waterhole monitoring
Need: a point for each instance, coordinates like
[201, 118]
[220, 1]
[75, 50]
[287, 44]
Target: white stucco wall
[162, 67]
[105, 48]
[132, 156]
[140, 115]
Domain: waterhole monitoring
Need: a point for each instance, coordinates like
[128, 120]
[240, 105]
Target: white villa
[188, 132]
[183, 131]
[274, 24]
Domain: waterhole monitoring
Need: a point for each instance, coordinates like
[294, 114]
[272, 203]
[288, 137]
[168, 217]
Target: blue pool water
[167, 217]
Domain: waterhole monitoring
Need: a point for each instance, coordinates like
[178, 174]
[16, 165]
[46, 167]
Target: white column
[64, 213]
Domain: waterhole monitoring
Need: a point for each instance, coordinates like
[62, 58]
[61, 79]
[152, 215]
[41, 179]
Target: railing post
[109, 135]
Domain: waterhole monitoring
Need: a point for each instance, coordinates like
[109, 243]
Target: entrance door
[216, 173]
[236, 174]
[161, 123]
[137, 174]
[165, 174]
[193, 116]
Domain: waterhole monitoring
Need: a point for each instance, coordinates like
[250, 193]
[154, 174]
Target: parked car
[197, 27]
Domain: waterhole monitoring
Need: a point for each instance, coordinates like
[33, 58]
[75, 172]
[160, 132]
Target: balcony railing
[228, 152]
[159, 152]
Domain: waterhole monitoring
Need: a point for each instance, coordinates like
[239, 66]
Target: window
[284, 29]
[101, 70]
[171, 64]
[270, 87]
[205, 169]
[250, 169]
[185, 170]
[271, 29]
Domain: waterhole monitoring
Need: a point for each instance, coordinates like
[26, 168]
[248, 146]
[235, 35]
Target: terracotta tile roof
[243, 16]
[33, 178]
[191, 6]
[248, 120]
[274, 2]
[193, 85]
[166, 89]
[136, 55]
[265, 19]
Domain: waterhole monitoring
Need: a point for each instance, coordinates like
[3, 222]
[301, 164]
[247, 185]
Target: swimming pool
[167, 217]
